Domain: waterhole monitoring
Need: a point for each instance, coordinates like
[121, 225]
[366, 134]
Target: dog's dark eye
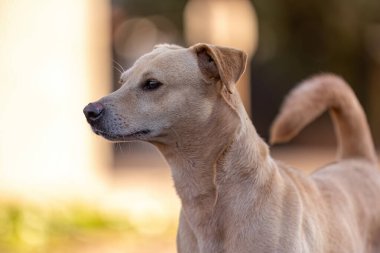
[151, 84]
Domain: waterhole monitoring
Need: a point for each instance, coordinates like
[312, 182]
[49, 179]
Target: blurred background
[63, 189]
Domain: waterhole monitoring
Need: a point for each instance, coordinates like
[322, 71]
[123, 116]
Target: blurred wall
[54, 60]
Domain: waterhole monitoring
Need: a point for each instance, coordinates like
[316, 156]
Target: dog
[236, 198]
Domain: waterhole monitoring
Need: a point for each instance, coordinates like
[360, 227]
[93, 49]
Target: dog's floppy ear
[221, 63]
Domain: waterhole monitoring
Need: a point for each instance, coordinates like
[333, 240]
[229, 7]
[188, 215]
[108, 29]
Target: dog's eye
[151, 84]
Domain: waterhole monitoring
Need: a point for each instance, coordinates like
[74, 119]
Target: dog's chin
[133, 136]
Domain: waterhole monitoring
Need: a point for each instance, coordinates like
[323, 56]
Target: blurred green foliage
[35, 229]
[299, 38]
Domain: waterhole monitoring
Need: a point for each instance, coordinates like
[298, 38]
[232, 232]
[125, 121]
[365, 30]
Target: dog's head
[166, 90]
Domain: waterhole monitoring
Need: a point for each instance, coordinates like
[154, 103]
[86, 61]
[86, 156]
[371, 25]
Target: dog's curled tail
[316, 95]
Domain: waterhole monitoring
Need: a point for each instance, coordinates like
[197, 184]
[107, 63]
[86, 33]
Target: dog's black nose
[93, 111]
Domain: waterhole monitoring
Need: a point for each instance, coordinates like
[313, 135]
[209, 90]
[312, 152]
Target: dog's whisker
[118, 145]
[177, 135]
[118, 70]
[129, 148]
[118, 64]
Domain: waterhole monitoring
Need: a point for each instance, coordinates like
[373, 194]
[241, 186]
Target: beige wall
[54, 58]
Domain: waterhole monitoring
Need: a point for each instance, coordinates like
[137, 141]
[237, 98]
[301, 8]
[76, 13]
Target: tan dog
[235, 197]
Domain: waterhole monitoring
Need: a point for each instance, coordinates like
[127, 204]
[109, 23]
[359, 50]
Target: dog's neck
[224, 151]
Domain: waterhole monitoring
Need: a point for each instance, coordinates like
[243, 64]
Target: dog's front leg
[186, 241]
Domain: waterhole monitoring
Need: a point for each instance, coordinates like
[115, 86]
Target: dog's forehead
[163, 60]
[165, 57]
[169, 57]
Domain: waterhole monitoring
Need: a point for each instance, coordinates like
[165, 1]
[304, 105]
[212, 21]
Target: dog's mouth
[122, 137]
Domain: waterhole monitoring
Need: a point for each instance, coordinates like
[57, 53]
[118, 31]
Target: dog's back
[350, 187]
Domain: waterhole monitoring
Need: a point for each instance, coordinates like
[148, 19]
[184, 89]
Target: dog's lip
[121, 137]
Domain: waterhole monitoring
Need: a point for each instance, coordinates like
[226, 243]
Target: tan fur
[235, 197]
[311, 99]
